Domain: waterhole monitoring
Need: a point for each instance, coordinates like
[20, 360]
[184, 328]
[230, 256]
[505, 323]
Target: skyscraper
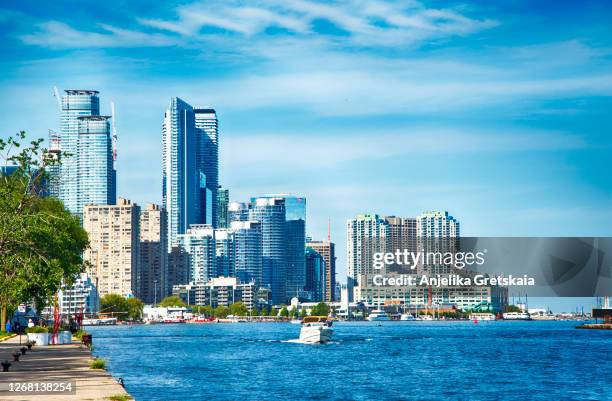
[207, 132]
[248, 262]
[315, 275]
[225, 254]
[270, 212]
[114, 247]
[223, 203]
[199, 243]
[153, 254]
[237, 211]
[87, 176]
[327, 250]
[402, 236]
[366, 235]
[182, 179]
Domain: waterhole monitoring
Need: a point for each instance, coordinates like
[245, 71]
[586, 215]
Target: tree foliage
[320, 309]
[221, 312]
[238, 309]
[171, 300]
[41, 243]
[122, 308]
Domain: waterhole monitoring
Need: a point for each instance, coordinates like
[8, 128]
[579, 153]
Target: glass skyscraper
[87, 176]
[207, 133]
[248, 262]
[199, 243]
[190, 173]
[181, 177]
[270, 212]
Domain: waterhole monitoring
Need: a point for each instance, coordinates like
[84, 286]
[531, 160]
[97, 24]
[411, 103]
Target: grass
[98, 363]
[119, 397]
[5, 336]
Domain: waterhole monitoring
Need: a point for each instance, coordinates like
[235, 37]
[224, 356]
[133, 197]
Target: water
[393, 361]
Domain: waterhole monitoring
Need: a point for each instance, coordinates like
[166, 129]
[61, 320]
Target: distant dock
[56, 363]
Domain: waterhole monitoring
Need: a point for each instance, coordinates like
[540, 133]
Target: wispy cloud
[54, 34]
[359, 22]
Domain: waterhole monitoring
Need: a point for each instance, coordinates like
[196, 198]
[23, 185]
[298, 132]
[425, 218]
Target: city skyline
[512, 135]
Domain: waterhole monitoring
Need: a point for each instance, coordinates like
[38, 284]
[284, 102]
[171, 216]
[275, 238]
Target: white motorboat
[482, 316]
[316, 330]
[425, 317]
[378, 315]
[406, 317]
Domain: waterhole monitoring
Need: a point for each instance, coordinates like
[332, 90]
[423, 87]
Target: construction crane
[114, 132]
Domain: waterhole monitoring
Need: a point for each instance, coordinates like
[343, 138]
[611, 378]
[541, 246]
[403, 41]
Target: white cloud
[56, 34]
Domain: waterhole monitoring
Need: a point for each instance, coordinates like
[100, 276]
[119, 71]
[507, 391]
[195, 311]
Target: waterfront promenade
[57, 363]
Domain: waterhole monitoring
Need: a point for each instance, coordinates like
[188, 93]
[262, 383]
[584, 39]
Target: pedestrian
[30, 323]
[8, 326]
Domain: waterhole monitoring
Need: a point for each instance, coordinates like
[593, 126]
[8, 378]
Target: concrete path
[56, 363]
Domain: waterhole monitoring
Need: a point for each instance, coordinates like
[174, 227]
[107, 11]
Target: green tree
[303, 313]
[170, 301]
[115, 305]
[320, 309]
[284, 312]
[207, 311]
[41, 243]
[135, 307]
[238, 309]
[254, 312]
[512, 308]
[221, 312]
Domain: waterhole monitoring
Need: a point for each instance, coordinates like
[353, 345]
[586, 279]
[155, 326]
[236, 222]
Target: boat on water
[425, 317]
[482, 316]
[407, 317]
[378, 315]
[295, 321]
[316, 330]
[516, 316]
[109, 321]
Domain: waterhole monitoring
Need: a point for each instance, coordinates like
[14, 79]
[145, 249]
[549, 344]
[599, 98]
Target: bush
[119, 397]
[79, 334]
[37, 329]
[98, 363]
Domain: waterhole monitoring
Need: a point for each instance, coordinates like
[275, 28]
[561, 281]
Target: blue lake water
[394, 361]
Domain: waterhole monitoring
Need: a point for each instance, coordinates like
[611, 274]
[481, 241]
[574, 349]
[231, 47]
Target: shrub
[119, 397]
[98, 363]
[79, 334]
[37, 329]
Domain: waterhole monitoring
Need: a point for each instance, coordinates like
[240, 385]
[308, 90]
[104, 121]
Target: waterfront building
[327, 250]
[295, 243]
[178, 268]
[437, 231]
[223, 203]
[207, 137]
[87, 176]
[248, 243]
[225, 256]
[113, 255]
[80, 297]
[181, 174]
[153, 254]
[315, 275]
[199, 243]
[270, 213]
[237, 211]
[366, 235]
[218, 291]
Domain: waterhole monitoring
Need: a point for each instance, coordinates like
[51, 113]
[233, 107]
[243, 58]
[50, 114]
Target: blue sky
[498, 113]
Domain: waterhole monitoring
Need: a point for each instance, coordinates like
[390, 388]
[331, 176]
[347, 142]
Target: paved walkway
[56, 363]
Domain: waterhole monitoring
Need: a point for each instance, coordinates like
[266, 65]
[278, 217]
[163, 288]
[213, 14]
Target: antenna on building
[329, 229]
[57, 97]
[114, 131]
